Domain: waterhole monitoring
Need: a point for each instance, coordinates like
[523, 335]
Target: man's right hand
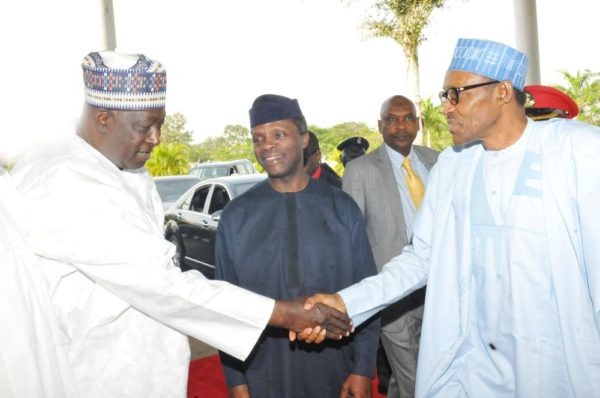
[292, 315]
[316, 335]
[332, 300]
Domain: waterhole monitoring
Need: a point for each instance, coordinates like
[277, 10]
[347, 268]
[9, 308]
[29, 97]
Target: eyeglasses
[452, 94]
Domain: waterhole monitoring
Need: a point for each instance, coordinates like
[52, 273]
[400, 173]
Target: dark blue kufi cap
[270, 108]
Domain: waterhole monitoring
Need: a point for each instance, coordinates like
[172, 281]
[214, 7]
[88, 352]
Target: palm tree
[404, 21]
[584, 88]
[169, 159]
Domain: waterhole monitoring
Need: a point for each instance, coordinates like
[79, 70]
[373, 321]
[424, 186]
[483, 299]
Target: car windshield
[170, 190]
[212, 172]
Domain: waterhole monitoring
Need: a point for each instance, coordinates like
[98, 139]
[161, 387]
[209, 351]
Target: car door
[219, 198]
[192, 219]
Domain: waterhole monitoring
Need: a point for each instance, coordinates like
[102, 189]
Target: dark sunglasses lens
[453, 96]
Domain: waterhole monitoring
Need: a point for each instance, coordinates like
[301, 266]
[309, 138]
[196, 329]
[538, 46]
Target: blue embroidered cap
[123, 81]
[490, 59]
[271, 107]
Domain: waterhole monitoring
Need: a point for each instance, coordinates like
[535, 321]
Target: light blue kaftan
[513, 289]
[512, 333]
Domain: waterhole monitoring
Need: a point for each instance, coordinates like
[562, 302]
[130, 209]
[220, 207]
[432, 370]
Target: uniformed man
[352, 148]
[545, 103]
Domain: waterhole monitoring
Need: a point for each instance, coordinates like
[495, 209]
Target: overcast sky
[220, 55]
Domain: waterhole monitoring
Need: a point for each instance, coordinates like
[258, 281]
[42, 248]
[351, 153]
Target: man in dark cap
[507, 242]
[293, 236]
[313, 165]
[352, 148]
[96, 225]
[544, 102]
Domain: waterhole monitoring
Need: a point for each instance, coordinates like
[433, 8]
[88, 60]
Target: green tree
[584, 88]
[329, 138]
[404, 21]
[207, 149]
[174, 130]
[174, 154]
[238, 143]
[236, 134]
[169, 159]
[436, 124]
[234, 143]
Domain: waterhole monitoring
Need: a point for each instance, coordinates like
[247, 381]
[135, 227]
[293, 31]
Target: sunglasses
[453, 93]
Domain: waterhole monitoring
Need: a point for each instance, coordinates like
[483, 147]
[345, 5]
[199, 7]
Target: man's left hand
[356, 386]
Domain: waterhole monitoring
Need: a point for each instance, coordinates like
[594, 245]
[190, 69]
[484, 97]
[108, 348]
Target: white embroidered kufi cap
[124, 81]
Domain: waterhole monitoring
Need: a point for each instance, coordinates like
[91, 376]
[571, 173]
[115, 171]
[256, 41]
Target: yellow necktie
[416, 189]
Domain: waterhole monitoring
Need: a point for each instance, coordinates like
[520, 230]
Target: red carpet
[206, 379]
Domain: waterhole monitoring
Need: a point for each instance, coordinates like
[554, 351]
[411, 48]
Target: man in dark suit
[384, 185]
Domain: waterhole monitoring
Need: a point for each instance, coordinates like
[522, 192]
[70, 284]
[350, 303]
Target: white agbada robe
[123, 308]
[32, 363]
[554, 290]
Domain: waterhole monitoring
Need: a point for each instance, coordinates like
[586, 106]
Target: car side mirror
[216, 216]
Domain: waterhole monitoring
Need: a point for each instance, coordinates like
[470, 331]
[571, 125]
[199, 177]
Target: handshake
[313, 319]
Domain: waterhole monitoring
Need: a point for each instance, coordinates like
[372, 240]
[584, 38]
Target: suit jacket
[370, 180]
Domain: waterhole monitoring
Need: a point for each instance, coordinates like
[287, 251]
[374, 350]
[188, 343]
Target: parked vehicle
[170, 188]
[222, 169]
[191, 222]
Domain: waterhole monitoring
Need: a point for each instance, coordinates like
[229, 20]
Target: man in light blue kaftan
[507, 241]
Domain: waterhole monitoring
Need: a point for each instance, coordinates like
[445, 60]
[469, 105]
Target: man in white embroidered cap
[94, 219]
[32, 361]
[506, 240]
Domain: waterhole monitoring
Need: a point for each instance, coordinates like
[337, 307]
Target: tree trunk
[413, 65]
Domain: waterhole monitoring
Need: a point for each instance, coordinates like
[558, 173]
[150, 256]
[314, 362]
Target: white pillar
[526, 35]
[108, 36]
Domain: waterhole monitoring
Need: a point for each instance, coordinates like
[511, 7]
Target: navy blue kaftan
[284, 245]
